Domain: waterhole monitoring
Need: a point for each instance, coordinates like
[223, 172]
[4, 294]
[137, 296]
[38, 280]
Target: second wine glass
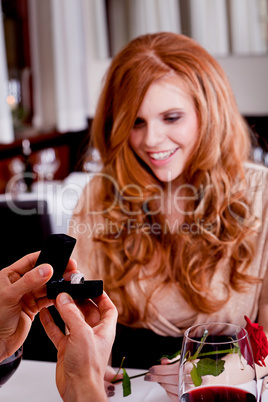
[9, 366]
[217, 365]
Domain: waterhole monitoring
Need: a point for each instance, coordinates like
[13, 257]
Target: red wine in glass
[218, 394]
[9, 366]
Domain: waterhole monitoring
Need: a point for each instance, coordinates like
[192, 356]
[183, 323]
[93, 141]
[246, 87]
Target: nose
[153, 135]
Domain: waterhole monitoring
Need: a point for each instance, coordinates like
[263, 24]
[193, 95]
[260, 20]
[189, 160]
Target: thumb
[33, 279]
[165, 360]
[69, 312]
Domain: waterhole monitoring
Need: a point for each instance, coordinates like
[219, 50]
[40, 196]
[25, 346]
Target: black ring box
[56, 251]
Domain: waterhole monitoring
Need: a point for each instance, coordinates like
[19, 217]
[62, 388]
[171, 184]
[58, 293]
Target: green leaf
[209, 366]
[171, 357]
[126, 383]
[196, 378]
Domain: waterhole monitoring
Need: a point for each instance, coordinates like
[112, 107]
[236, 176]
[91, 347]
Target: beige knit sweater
[171, 313]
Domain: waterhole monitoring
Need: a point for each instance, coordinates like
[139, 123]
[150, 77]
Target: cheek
[192, 135]
[135, 140]
[195, 128]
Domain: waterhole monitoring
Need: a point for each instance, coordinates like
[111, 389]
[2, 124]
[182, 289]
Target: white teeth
[162, 155]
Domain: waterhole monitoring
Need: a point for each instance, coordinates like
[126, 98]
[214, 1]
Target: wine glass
[217, 364]
[47, 164]
[92, 162]
[17, 184]
[9, 366]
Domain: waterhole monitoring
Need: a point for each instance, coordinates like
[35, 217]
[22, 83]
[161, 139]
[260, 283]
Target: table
[34, 381]
[142, 391]
[61, 198]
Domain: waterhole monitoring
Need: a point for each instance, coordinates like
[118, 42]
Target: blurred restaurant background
[54, 53]
[53, 56]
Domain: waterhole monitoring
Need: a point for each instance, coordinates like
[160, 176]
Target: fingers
[25, 264]
[70, 269]
[165, 368]
[52, 330]
[109, 389]
[163, 379]
[32, 280]
[102, 309]
[167, 375]
[90, 312]
[110, 373]
[25, 278]
[69, 312]
[28, 262]
[73, 319]
[105, 304]
[108, 311]
[108, 377]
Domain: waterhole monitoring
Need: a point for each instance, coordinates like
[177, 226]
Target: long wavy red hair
[188, 260]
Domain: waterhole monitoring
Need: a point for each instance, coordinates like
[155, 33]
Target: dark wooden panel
[69, 148]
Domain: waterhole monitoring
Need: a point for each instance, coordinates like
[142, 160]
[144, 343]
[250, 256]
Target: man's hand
[22, 296]
[82, 354]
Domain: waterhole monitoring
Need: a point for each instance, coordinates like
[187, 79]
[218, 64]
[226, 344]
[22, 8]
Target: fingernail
[152, 370]
[110, 388]
[64, 298]
[44, 270]
[147, 378]
[110, 393]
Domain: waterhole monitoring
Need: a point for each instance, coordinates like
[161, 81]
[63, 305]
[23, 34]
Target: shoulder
[255, 167]
[257, 183]
[257, 188]
[256, 173]
[88, 200]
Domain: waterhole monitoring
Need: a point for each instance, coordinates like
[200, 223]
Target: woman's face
[166, 128]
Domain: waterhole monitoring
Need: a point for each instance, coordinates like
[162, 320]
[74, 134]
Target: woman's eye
[172, 118]
[138, 123]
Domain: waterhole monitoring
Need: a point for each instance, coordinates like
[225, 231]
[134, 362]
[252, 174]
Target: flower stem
[195, 356]
[134, 376]
[197, 353]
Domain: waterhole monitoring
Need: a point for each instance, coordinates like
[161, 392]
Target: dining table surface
[34, 381]
[61, 197]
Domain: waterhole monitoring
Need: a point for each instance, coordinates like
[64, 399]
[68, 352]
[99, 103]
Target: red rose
[258, 342]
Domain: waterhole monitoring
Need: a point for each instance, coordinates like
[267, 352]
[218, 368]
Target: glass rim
[18, 353]
[226, 324]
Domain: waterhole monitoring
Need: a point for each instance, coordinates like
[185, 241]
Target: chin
[168, 176]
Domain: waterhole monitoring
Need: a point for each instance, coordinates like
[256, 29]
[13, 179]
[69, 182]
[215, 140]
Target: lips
[161, 156]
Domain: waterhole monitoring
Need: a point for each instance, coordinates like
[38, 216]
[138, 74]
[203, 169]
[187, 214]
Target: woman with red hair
[176, 222]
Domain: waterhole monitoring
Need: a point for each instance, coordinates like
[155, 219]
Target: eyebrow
[177, 110]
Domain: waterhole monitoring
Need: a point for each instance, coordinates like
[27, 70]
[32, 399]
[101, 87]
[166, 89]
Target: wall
[249, 79]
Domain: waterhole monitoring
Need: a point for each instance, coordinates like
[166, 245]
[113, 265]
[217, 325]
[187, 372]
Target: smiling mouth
[160, 156]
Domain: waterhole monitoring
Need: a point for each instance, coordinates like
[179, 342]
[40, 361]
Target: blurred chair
[26, 224]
